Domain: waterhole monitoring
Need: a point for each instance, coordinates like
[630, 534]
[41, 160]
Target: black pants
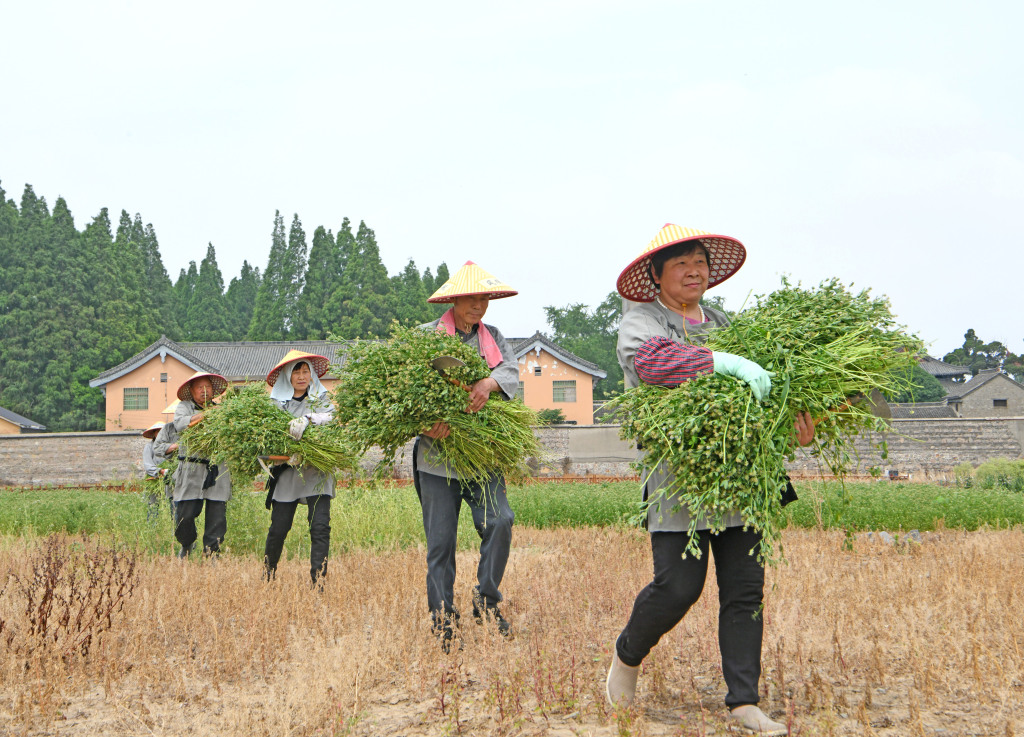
[677, 585]
[441, 500]
[215, 526]
[318, 513]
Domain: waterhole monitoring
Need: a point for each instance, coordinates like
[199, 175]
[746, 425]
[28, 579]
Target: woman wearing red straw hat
[660, 343]
[197, 482]
[295, 387]
[469, 292]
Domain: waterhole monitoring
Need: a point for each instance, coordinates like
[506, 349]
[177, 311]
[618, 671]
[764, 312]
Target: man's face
[202, 390]
[469, 310]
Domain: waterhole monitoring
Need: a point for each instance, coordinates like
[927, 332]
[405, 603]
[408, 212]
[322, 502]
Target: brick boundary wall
[927, 450]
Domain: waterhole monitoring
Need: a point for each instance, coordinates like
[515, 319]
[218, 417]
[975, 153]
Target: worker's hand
[163, 472]
[298, 426]
[295, 460]
[171, 449]
[438, 431]
[480, 392]
[759, 380]
[196, 419]
[804, 428]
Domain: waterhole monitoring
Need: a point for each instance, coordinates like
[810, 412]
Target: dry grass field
[882, 640]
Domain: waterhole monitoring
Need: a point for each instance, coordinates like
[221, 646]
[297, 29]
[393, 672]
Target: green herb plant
[246, 424]
[388, 393]
[827, 347]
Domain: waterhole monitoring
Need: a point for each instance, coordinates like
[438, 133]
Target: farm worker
[154, 481]
[296, 388]
[660, 342]
[197, 480]
[441, 493]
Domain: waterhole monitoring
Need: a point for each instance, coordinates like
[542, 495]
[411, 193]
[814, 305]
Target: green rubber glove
[759, 380]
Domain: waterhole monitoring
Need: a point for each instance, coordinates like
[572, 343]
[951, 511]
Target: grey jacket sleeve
[182, 415]
[505, 373]
[149, 462]
[167, 436]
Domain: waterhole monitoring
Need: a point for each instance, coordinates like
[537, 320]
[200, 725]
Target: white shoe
[620, 686]
[756, 721]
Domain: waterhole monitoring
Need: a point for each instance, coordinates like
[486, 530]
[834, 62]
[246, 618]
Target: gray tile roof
[520, 346]
[921, 410]
[939, 369]
[24, 423]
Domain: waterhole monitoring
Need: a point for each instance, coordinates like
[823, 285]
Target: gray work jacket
[295, 484]
[505, 373]
[188, 479]
[641, 323]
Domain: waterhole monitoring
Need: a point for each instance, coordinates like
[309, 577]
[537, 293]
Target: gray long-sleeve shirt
[295, 484]
[505, 373]
[188, 479]
[641, 323]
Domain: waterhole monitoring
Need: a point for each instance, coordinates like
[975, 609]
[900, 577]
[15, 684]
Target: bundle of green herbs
[827, 347]
[246, 424]
[388, 393]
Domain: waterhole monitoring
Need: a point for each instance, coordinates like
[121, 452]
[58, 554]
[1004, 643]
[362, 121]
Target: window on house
[536, 370]
[520, 393]
[163, 378]
[136, 399]
[998, 402]
[563, 391]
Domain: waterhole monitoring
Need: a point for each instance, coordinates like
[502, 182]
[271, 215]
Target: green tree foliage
[206, 318]
[923, 388]
[268, 319]
[322, 278]
[591, 335]
[240, 299]
[977, 355]
[184, 288]
[409, 297]
[365, 305]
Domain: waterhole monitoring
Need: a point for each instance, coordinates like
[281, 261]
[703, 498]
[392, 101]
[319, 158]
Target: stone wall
[925, 449]
[68, 459]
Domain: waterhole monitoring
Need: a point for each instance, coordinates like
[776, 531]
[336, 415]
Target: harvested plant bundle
[826, 347]
[388, 393]
[247, 424]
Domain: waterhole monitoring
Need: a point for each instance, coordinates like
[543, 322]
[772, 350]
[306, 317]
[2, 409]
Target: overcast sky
[880, 142]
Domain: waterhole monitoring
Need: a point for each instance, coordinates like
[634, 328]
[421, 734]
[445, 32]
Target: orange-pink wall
[161, 394]
[538, 390]
[8, 428]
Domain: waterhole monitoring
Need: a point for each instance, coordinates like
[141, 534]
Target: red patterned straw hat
[319, 363]
[220, 385]
[471, 279]
[726, 255]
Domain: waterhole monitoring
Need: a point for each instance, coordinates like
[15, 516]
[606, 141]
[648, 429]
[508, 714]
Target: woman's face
[684, 279]
[469, 310]
[301, 377]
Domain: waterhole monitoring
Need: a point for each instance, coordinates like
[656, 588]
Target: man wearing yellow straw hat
[295, 387]
[197, 480]
[469, 292]
[660, 343]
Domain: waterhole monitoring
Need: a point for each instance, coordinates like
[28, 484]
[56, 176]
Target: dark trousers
[215, 526]
[441, 500]
[318, 513]
[677, 585]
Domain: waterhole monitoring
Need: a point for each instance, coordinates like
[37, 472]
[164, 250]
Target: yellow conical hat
[471, 279]
[219, 383]
[171, 407]
[151, 431]
[319, 363]
[726, 255]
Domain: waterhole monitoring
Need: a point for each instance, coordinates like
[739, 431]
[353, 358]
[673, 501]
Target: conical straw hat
[151, 431]
[319, 363]
[171, 407]
[220, 385]
[726, 255]
[471, 279]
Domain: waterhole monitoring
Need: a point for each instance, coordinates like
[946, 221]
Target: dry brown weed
[880, 640]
